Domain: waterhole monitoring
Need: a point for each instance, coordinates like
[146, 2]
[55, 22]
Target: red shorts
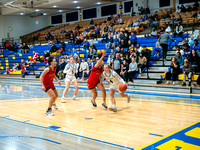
[50, 86]
[92, 84]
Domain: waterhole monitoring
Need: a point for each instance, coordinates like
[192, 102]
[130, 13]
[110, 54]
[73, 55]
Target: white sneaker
[168, 82]
[55, 106]
[75, 98]
[128, 98]
[62, 100]
[174, 83]
[113, 109]
[49, 112]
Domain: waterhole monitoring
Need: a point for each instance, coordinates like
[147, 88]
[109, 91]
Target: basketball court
[149, 121]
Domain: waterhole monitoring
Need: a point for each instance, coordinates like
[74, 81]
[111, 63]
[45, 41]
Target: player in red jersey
[94, 81]
[47, 84]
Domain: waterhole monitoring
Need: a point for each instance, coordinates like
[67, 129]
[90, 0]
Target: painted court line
[72, 134]
[31, 137]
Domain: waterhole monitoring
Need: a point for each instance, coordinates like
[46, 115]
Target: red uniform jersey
[94, 77]
[48, 79]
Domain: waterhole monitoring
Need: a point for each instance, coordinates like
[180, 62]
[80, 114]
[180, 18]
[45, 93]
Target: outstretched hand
[104, 53]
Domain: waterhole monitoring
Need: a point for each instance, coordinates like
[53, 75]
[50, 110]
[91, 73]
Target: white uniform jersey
[68, 68]
[114, 79]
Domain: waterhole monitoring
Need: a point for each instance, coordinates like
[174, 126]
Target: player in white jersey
[114, 80]
[70, 70]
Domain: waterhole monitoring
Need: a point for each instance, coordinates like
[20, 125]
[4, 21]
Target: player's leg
[125, 95]
[112, 98]
[56, 93]
[53, 97]
[94, 96]
[74, 82]
[102, 89]
[83, 75]
[67, 84]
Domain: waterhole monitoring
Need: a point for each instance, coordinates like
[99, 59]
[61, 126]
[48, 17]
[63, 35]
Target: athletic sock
[114, 106]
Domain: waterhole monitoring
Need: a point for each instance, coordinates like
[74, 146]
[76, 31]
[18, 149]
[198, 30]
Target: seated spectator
[187, 52]
[91, 22]
[84, 68]
[168, 29]
[196, 34]
[158, 44]
[72, 40]
[23, 70]
[90, 64]
[187, 71]
[33, 59]
[104, 37]
[166, 15]
[120, 20]
[93, 46]
[175, 71]
[195, 15]
[74, 52]
[146, 53]
[63, 44]
[25, 48]
[180, 59]
[14, 47]
[140, 19]
[48, 36]
[179, 18]
[53, 49]
[109, 42]
[62, 65]
[142, 62]
[184, 44]
[133, 38]
[115, 42]
[178, 49]
[15, 67]
[125, 70]
[1, 48]
[63, 31]
[46, 56]
[7, 45]
[78, 27]
[136, 24]
[194, 60]
[112, 55]
[183, 9]
[191, 41]
[155, 23]
[179, 30]
[178, 10]
[60, 49]
[195, 45]
[139, 48]
[92, 53]
[154, 32]
[86, 44]
[131, 24]
[133, 69]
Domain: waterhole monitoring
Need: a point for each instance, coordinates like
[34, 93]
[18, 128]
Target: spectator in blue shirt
[109, 42]
[180, 59]
[141, 19]
[63, 31]
[133, 38]
[115, 42]
[195, 45]
[86, 44]
[63, 44]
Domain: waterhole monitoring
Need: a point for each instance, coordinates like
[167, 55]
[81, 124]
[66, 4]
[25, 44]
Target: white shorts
[70, 78]
[115, 86]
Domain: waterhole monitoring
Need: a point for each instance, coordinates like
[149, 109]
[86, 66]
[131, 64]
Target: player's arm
[42, 76]
[66, 70]
[100, 60]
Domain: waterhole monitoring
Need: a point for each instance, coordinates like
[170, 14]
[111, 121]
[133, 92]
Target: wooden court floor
[147, 118]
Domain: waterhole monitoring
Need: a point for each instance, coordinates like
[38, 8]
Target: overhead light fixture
[60, 10]
[21, 13]
[37, 10]
[78, 7]
[98, 3]
[44, 14]
[54, 6]
[75, 2]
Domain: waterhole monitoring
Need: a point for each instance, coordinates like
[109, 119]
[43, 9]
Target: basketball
[123, 87]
